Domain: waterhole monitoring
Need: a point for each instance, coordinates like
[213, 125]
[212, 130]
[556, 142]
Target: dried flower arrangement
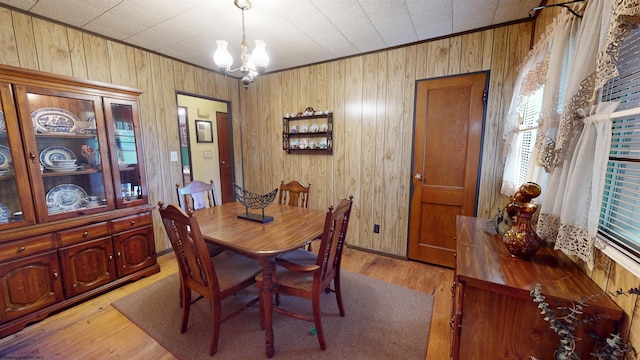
[565, 322]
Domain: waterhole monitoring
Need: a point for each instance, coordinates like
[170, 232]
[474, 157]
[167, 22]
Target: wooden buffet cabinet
[74, 214]
[494, 316]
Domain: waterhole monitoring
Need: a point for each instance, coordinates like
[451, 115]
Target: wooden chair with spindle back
[214, 278]
[304, 274]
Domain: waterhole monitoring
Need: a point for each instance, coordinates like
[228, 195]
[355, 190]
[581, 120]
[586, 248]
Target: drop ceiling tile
[114, 27]
[472, 14]
[150, 39]
[76, 12]
[20, 4]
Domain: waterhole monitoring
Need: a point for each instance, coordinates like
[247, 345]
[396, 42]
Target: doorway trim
[227, 103]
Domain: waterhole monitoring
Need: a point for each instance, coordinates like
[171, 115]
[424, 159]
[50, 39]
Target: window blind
[620, 212]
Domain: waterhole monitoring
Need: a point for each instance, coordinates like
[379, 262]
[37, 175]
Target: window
[619, 220]
[528, 129]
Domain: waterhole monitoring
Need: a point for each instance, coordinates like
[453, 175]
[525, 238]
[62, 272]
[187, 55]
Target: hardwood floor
[95, 330]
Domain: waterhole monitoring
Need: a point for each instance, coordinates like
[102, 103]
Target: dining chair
[214, 278]
[294, 193]
[307, 275]
[195, 196]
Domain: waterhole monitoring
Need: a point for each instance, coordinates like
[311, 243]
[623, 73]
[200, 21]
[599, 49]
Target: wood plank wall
[33, 43]
[372, 98]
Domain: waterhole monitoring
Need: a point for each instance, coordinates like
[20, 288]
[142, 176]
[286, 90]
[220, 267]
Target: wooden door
[225, 156]
[446, 154]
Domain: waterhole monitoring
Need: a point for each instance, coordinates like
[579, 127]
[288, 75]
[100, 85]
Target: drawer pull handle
[110, 257]
[133, 222]
[55, 275]
[22, 248]
[118, 254]
[86, 233]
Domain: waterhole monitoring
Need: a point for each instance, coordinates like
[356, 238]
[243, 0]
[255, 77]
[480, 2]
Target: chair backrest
[196, 195]
[333, 238]
[294, 193]
[196, 268]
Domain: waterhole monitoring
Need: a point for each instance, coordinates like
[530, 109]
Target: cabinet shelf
[70, 173]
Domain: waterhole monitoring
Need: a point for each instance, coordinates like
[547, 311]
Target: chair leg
[186, 307]
[338, 291]
[318, 321]
[261, 303]
[215, 326]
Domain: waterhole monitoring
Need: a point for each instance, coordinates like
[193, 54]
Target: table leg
[268, 272]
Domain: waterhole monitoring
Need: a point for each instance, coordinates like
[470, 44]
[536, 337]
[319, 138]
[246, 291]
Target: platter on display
[54, 120]
[66, 197]
[48, 155]
[5, 158]
[4, 213]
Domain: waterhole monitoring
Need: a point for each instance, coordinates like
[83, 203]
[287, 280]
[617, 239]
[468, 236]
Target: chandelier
[253, 65]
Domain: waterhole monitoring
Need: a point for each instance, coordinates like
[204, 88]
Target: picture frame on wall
[204, 131]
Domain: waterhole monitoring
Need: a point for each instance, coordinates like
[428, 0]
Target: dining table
[291, 228]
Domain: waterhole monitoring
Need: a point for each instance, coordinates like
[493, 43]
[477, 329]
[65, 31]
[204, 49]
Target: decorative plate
[5, 157]
[55, 153]
[54, 120]
[4, 213]
[3, 125]
[68, 196]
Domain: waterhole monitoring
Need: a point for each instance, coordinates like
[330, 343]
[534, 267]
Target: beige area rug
[383, 321]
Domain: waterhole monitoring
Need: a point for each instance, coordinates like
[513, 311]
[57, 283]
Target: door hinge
[485, 96]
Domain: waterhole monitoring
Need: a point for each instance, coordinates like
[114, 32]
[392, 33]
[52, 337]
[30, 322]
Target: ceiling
[297, 32]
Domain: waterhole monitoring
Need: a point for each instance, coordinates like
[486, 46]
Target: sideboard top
[483, 261]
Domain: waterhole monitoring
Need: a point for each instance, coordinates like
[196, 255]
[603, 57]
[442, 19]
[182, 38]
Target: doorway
[206, 138]
[446, 161]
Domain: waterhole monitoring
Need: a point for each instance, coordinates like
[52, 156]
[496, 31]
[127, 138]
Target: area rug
[383, 321]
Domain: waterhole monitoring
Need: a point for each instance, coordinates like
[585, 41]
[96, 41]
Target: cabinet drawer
[30, 246]
[131, 222]
[74, 236]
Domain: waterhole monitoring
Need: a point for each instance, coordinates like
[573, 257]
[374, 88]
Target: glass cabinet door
[16, 207]
[67, 152]
[126, 152]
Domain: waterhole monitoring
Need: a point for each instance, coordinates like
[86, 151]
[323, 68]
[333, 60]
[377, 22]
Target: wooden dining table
[291, 228]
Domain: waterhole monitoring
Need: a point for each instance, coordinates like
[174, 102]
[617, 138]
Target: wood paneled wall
[33, 43]
[372, 98]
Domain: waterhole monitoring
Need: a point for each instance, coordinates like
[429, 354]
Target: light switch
[206, 154]
[174, 156]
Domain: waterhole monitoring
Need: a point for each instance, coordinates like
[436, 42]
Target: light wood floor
[95, 330]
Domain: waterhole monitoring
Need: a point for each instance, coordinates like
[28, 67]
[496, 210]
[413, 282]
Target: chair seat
[297, 280]
[233, 268]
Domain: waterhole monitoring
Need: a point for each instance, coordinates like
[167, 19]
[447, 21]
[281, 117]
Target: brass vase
[521, 241]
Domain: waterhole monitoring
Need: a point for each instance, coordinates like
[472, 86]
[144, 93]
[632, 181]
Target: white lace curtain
[572, 77]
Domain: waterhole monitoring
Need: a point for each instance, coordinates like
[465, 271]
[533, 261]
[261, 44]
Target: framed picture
[204, 131]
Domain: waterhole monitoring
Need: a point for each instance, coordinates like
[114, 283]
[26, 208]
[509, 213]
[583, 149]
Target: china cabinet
[308, 133]
[74, 212]
[491, 297]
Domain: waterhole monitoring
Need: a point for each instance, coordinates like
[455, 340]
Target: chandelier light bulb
[222, 57]
[259, 57]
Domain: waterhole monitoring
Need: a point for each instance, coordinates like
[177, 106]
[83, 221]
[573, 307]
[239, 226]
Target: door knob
[417, 176]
